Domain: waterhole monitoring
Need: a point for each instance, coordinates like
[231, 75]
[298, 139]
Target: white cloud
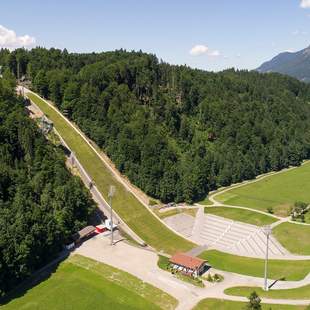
[214, 53]
[9, 39]
[305, 4]
[200, 49]
[299, 32]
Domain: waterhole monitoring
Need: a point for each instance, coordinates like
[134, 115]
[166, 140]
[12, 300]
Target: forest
[41, 203]
[175, 132]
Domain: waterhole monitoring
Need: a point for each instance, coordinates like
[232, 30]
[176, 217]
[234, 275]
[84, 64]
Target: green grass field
[296, 293]
[241, 215]
[218, 304]
[137, 217]
[162, 215]
[279, 191]
[294, 237]
[206, 202]
[80, 283]
[291, 270]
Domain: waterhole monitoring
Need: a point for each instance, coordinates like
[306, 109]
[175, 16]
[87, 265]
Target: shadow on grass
[38, 277]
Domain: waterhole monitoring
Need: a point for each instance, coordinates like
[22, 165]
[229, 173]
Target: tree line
[41, 203]
[176, 132]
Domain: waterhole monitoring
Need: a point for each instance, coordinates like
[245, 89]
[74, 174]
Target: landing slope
[137, 217]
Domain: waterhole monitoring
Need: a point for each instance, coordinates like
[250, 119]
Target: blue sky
[239, 33]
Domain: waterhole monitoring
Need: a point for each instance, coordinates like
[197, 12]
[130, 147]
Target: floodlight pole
[267, 231]
[111, 194]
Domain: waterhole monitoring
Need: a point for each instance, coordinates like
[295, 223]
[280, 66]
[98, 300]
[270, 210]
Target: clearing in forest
[276, 193]
[128, 207]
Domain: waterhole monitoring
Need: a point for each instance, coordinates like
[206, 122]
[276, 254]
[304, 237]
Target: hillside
[294, 64]
[176, 132]
[41, 203]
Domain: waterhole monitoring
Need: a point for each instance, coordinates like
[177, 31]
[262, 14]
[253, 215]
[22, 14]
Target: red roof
[186, 260]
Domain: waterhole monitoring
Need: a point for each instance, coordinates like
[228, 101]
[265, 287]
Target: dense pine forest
[176, 132]
[41, 203]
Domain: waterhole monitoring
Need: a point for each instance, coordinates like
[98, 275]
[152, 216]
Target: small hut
[188, 265]
[84, 234]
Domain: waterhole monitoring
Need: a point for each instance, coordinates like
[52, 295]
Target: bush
[152, 202]
[215, 278]
[270, 210]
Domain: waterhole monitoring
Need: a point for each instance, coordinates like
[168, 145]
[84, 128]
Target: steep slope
[176, 132]
[41, 203]
[294, 64]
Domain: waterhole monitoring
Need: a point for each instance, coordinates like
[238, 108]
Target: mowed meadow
[278, 191]
[81, 283]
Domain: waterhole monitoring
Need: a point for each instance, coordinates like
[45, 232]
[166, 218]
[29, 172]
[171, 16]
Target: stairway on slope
[234, 237]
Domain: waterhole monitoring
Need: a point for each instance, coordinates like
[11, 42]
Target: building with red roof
[187, 264]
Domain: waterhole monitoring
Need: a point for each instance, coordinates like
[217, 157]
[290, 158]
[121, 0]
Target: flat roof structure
[85, 232]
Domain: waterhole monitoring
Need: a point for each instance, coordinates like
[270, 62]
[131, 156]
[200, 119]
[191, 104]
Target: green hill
[176, 132]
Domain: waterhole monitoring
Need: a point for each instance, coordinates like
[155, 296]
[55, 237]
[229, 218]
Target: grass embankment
[218, 304]
[81, 283]
[279, 191]
[190, 211]
[288, 269]
[137, 217]
[294, 237]
[206, 202]
[241, 215]
[296, 293]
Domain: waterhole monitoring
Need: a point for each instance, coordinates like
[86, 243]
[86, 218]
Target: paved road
[143, 264]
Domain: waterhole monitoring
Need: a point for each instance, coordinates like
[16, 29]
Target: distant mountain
[293, 64]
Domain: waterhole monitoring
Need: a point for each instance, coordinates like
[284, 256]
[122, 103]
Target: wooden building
[84, 234]
[188, 265]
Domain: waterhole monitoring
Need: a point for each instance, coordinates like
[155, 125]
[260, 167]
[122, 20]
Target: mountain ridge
[295, 64]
